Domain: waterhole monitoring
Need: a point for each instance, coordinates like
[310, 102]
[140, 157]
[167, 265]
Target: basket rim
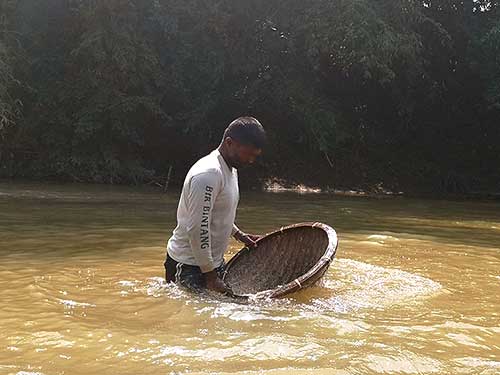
[299, 282]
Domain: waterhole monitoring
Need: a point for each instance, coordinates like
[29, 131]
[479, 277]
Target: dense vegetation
[353, 93]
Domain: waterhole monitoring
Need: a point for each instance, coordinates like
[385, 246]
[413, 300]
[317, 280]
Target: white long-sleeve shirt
[206, 213]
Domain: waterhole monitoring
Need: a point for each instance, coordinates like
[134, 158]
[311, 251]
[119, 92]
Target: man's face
[241, 154]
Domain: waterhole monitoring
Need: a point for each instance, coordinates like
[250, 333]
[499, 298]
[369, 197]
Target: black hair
[248, 131]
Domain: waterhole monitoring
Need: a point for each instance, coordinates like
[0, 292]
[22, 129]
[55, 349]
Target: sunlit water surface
[414, 289]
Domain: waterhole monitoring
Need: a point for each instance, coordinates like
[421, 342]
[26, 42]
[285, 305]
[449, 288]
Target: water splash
[349, 286]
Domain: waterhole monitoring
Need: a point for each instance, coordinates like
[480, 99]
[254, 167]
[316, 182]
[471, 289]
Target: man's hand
[215, 283]
[249, 240]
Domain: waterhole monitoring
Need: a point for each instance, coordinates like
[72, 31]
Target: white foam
[348, 287]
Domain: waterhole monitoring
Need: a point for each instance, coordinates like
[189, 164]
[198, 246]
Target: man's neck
[223, 152]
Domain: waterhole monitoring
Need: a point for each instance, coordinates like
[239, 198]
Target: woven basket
[286, 260]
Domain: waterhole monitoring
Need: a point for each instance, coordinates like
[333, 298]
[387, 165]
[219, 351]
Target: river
[414, 288]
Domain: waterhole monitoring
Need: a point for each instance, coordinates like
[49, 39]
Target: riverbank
[274, 185]
[377, 191]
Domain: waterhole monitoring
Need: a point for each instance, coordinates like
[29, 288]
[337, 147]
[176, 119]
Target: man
[207, 209]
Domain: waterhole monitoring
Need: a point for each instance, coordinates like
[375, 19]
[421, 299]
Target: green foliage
[10, 104]
[7, 104]
[367, 91]
[490, 64]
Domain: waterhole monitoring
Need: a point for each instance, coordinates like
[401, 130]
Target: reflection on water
[414, 288]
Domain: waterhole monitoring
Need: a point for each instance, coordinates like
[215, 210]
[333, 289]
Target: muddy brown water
[414, 289]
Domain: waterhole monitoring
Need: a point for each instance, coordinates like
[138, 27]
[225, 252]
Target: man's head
[243, 141]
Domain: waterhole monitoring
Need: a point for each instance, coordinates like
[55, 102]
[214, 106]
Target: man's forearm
[236, 232]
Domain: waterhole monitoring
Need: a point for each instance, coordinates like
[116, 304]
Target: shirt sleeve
[203, 190]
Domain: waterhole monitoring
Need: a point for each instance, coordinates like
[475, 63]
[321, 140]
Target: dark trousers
[186, 275]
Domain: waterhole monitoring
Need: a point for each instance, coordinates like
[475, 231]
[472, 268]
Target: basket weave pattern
[286, 260]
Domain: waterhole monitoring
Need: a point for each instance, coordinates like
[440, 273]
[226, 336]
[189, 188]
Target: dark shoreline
[300, 189]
